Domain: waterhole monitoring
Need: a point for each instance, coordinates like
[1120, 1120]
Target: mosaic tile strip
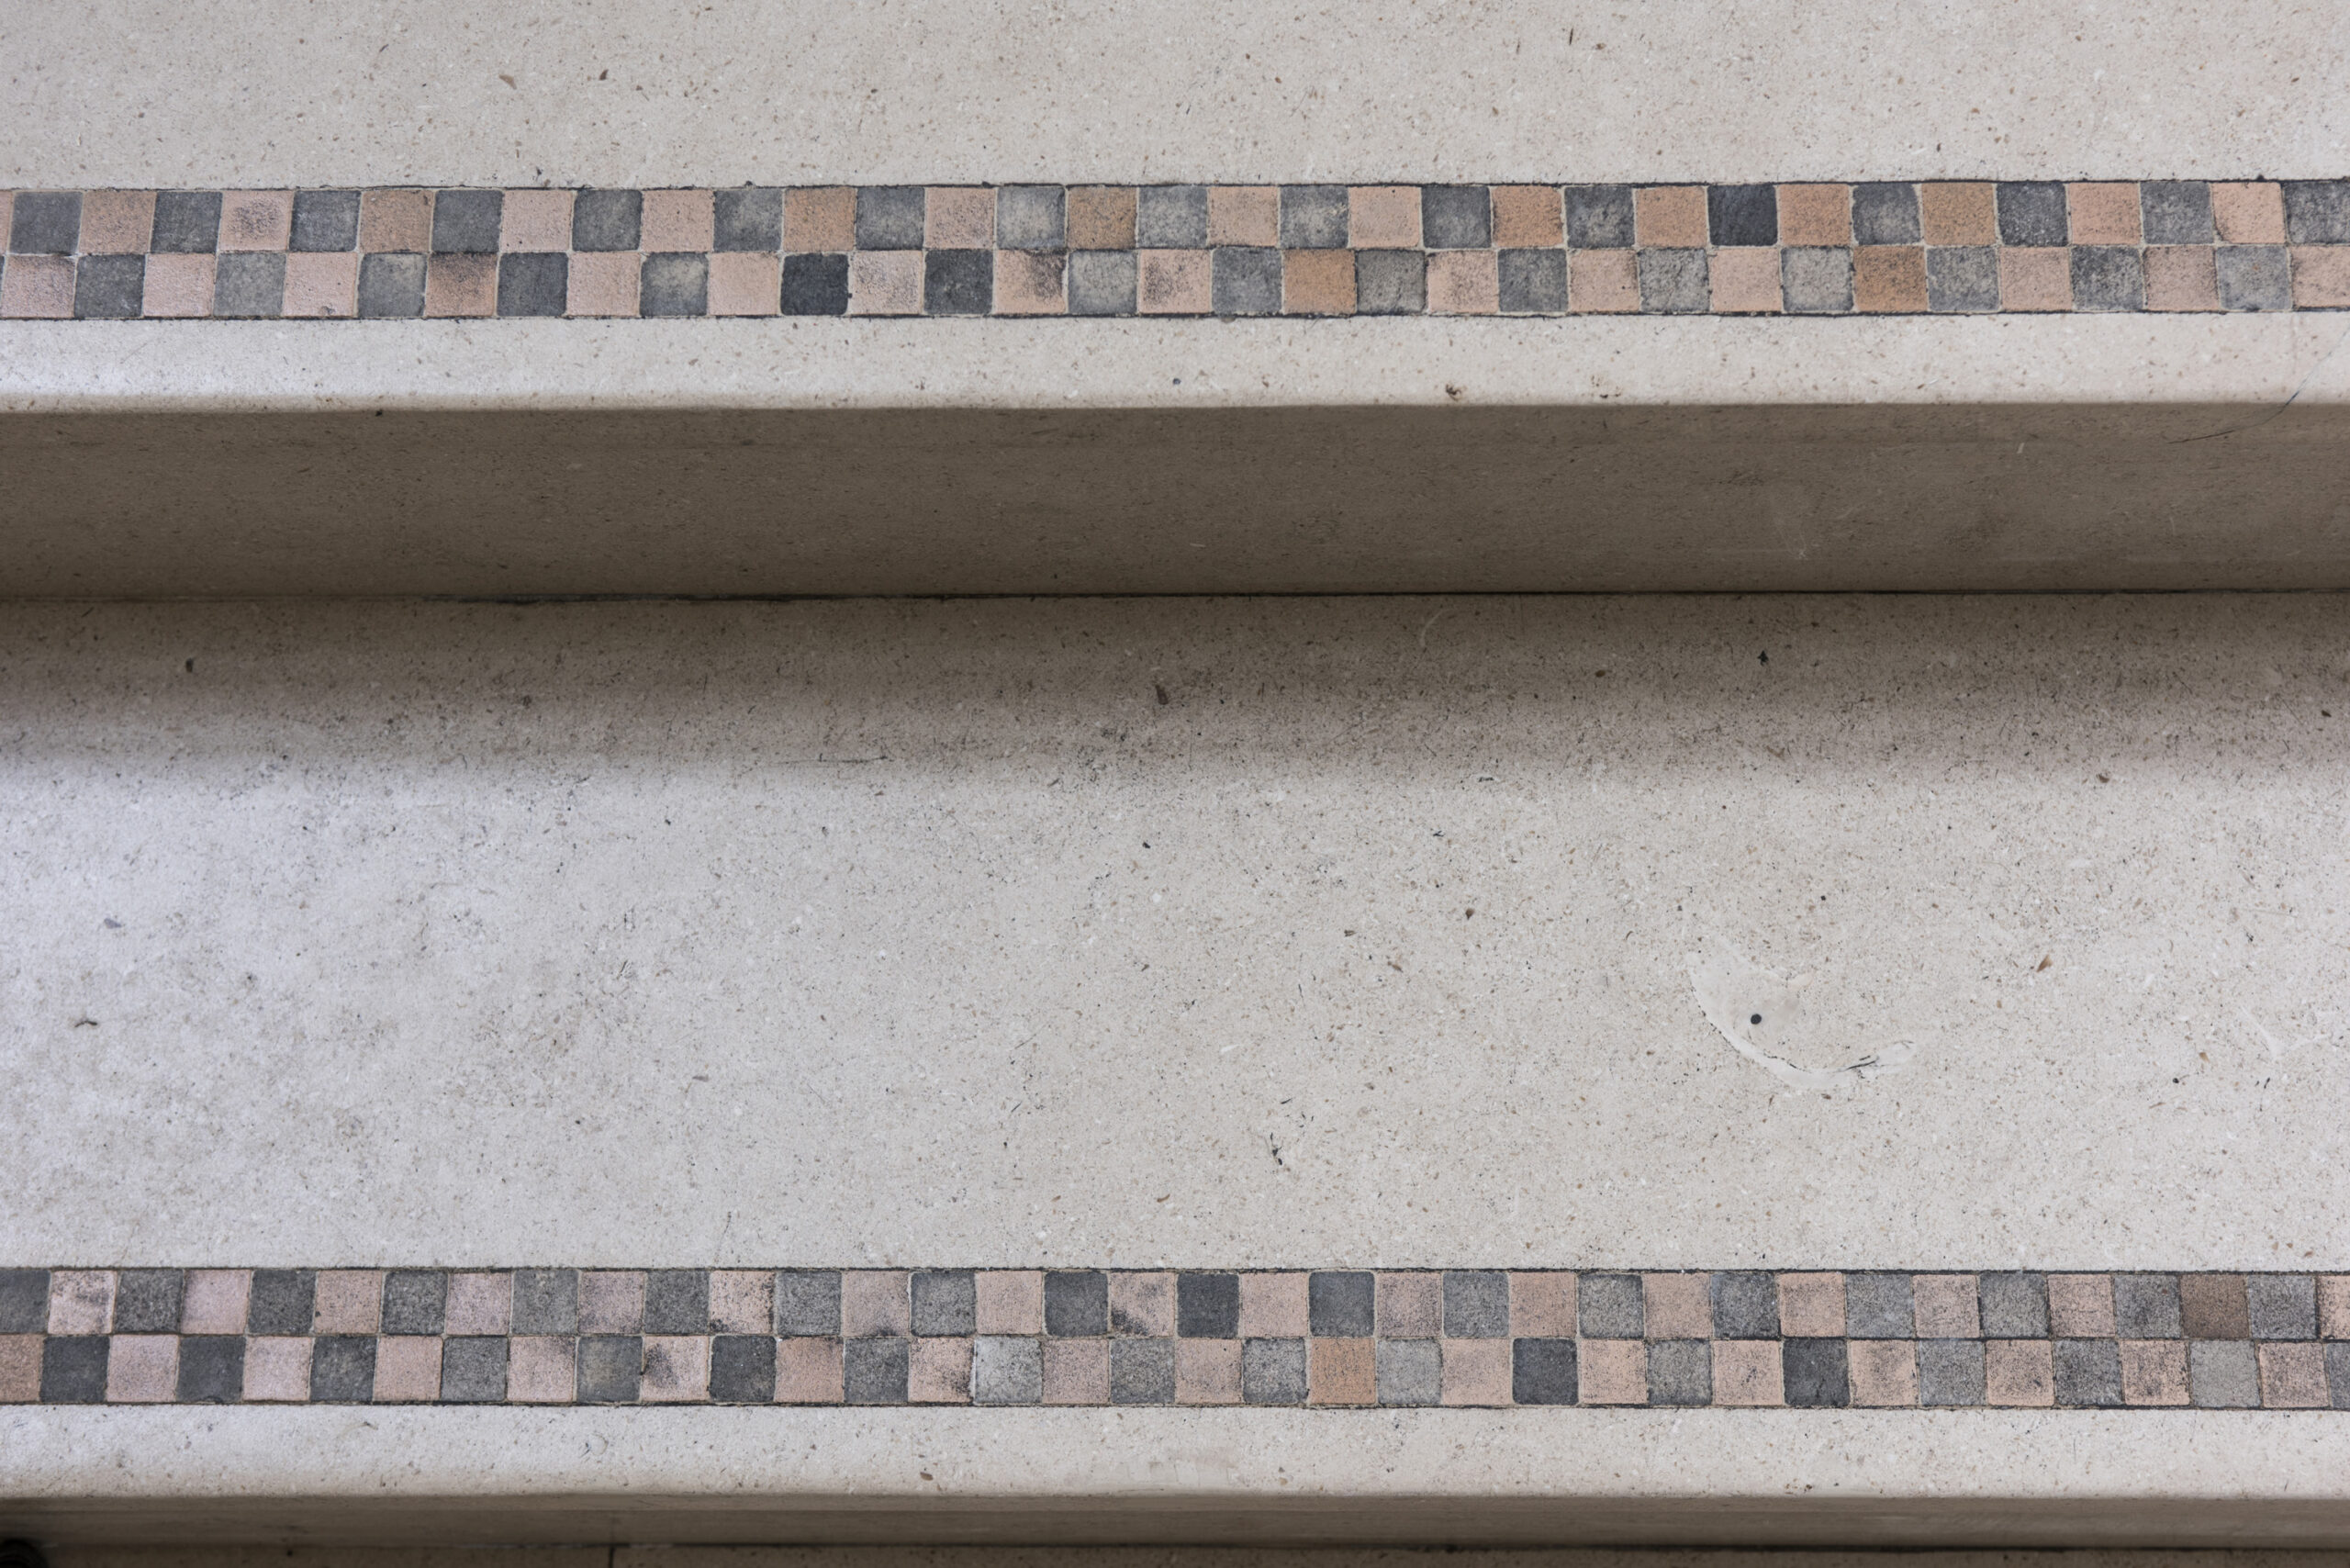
[1332, 1338]
[1879, 247]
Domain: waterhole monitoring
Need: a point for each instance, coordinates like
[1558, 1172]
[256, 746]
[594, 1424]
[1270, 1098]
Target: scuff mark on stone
[1756, 1008]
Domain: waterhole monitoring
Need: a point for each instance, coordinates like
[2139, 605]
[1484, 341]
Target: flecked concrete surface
[1141, 1557]
[1019, 933]
[136, 93]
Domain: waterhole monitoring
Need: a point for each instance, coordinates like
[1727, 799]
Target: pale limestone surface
[278, 92]
[82, 1556]
[932, 934]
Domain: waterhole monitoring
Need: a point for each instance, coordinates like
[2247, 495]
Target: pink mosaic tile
[407, 1369]
[1173, 282]
[611, 1301]
[479, 1304]
[81, 1301]
[1142, 1304]
[118, 223]
[885, 283]
[808, 1372]
[1076, 1371]
[256, 220]
[1244, 215]
[677, 1369]
[1011, 1301]
[1676, 1306]
[1945, 1306]
[1207, 1371]
[743, 283]
[1615, 1371]
[2017, 1372]
[1410, 1305]
[277, 1370]
[2080, 1307]
[938, 1372]
[676, 220]
[179, 285]
[1384, 217]
[1747, 1373]
[959, 218]
[541, 1369]
[1273, 1307]
[1542, 1307]
[1463, 282]
[321, 283]
[535, 221]
[742, 1301]
[37, 287]
[603, 284]
[1884, 1373]
[346, 1301]
[1746, 282]
[1811, 1306]
[874, 1301]
[143, 1369]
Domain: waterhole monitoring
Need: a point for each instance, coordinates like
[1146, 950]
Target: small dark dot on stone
[1756, 1019]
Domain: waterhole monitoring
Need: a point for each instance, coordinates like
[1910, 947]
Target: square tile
[1889, 279]
[459, 285]
[1818, 1372]
[1456, 217]
[2223, 1374]
[1391, 283]
[2213, 1307]
[1534, 283]
[1603, 282]
[325, 220]
[1962, 278]
[2333, 1306]
[1746, 282]
[1318, 283]
[2181, 277]
[2153, 1372]
[1949, 1371]
[809, 1371]
[1207, 1305]
[283, 1301]
[677, 220]
[1008, 1301]
[1673, 283]
[541, 1369]
[1101, 217]
[257, 221]
[1171, 217]
[1207, 1371]
[2012, 1306]
[342, 1370]
[1958, 212]
[321, 283]
[1745, 1305]
[73, 1371]
[1677, 1306]
[819, 217]
[407, 1369]
[1342, 1372]
[1884, 1373]
[1475, 1371]
[1173, 282]
[2088, 1374]
[1816, 214]
[1142, 1371]
[1244, 215]
[1030, 217]
[607, 220]
[473, 1370]
[2032, 212]
[876, 1371]
[535, 221]
[741, 1369]
[2317, 212]
[465, 221]
[2080, 1307]
[1878, 1306]
[2108, 277]
[2292, 1377]
[1542, 1306]
[1142, 1304]
[1817, 281]
[2146, 1306]
[396, 221]
[1811, 1306]
[2337, 1372]
[2017, 1372]
[1411, 1371]
[545, 1301]
[1599, 217]
[187, 222]
[2321, 277]
[2175, 212]
[1612, 1372]
[959, 218]
[1463, 282]
[1476, 1304]
[479, 1304]
[1102, 282]
[182, 287]
[610, 1302]
[938, 1372]
[415, 1301]
[2103, 212]
[882, 282]
[117, 223]
[959, 283]
[1411, 1306]
[1542, 1372]
[1609, 1307]
[1077, 1302]
[389, 285]
[1007, 1369]
[110, 288]
[1247, 281]
[676, 1301]
[1529, 218]
[81, 1301]
[277, 1370]
[945, 1301]
[46, 223]
[1076, 1371]
[248, 283]
[1742, 215]
[612, 1369]
[1273, 1306]
[1747, 1373]
[875, 1302]
[2251, 213]
[143, 1369]
[2282, 1306]
[146, 1301]
[212, 1368]
[20, 1368]
[1313, 218]
[1385, 217]
[1884, 213]
[1945, 1306]
[744, 219]
[1342, 1305]
[1672, 217]
[744, 283]
[2036, 278]
[1272, 1372]
[674, 283]
[2254, 278]
[815, 285]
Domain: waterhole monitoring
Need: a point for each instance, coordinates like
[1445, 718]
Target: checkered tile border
[1335, 1338]
[1227, 251]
